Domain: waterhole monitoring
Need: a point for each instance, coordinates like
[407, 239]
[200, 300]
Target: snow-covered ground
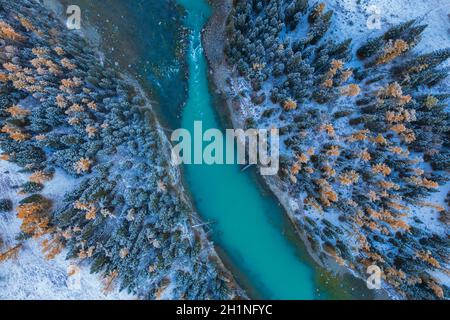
[31, 275]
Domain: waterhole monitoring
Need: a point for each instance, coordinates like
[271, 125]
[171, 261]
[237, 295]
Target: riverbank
[214, 39]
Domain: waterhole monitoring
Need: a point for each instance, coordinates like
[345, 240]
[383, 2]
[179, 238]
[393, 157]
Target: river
[251, 231]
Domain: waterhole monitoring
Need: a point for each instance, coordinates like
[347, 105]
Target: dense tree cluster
[356, 141]
[62, 107]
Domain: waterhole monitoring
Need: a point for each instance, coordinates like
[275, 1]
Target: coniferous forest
[365, 135]
[86, 172]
